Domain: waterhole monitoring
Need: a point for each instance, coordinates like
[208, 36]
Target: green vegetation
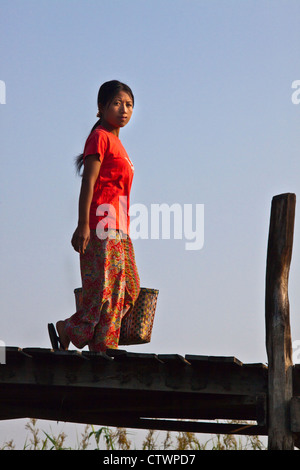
[106, 438]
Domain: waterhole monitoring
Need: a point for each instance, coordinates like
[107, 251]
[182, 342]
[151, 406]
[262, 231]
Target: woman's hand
[81, 238]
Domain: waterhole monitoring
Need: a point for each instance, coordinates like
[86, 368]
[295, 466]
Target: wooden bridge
[172, 392]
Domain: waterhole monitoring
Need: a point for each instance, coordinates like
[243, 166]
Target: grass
[106, 438]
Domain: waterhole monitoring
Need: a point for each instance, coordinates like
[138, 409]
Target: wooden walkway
[172, 392]
[166, 392]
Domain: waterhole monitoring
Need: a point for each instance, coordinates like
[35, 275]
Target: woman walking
[110, 280]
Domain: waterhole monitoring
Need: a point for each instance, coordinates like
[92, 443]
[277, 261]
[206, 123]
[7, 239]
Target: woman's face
[117, 113]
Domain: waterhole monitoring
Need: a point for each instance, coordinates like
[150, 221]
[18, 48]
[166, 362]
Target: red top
[113, 185]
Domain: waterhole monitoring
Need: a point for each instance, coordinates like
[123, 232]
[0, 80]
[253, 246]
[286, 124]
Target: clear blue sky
[213, 124]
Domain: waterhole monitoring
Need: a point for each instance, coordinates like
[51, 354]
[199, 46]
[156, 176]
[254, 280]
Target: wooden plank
[92, 405]
[295, 419]
[278, 334]
[173, 359]
[235, 428]
[132, 371]
[48, 384]
[224, 360]
[295, 414]
[250, 429]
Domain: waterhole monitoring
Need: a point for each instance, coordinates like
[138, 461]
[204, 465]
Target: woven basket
[136, 327]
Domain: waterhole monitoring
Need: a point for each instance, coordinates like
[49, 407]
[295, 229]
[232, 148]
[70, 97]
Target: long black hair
[106, 94]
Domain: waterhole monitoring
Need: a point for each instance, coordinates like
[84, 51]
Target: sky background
[213, 124]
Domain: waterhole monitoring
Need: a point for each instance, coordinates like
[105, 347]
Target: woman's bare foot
[63, 337]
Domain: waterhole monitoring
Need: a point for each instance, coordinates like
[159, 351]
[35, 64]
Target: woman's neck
[109, 128]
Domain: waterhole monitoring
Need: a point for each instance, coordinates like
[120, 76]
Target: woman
[110, 280]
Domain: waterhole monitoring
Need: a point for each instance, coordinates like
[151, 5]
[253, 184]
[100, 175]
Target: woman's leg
[124, 290]
[110, 286]
[103, 276]
[107, 331]
[132, 287]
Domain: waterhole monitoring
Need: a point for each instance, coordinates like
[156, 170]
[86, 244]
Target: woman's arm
[81, 235]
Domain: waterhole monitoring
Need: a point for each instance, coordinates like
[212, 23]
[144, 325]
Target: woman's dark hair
[106, 94]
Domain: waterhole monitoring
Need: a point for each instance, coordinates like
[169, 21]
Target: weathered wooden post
[278, 333]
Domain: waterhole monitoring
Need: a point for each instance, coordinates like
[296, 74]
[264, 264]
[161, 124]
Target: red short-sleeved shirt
[111, 198]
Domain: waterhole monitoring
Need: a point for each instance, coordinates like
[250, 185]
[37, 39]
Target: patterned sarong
[110, 285]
